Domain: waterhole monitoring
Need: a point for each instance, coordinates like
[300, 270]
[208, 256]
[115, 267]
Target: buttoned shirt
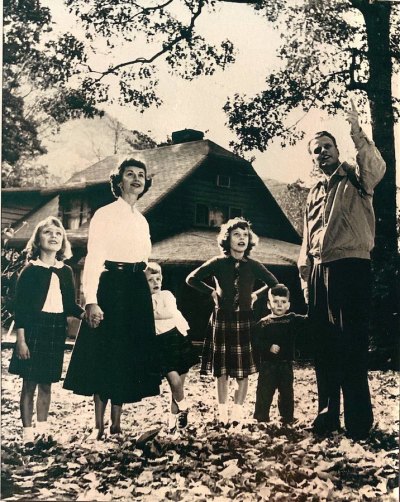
[339, 220]
[116, 233]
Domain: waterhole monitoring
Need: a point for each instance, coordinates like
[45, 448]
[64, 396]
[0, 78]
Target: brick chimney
[186, 135]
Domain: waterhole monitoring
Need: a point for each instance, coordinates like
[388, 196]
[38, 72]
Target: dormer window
[215, 216]
[223, 181]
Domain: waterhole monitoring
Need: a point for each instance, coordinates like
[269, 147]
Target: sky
[198, 104]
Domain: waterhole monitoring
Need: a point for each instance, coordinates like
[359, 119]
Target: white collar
[39, 263]
[125, 206]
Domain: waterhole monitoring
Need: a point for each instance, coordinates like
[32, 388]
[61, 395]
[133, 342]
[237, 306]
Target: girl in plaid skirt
[227, 347]
[45, 296]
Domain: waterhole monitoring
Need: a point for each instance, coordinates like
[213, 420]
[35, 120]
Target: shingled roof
[167, 165]
[196, 246]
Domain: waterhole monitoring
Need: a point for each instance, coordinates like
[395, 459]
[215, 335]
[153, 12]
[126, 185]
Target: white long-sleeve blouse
[116, 233]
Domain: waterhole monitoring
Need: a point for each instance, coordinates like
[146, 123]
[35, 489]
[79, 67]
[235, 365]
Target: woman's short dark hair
[225, 234]
[319, 134]
[116, 176]
[33, 247]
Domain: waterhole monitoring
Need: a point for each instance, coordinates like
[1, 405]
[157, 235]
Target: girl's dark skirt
[118, 359]
[176, 352]
[45, 337]
[227, 347]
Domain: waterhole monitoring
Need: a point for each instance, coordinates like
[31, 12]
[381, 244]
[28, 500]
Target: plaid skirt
[176, 352]
[227, 347]
[45, 338]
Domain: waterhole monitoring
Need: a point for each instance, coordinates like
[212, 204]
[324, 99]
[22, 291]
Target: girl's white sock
[42, 428]
[223, 412]
[27, 435]
[182, 405]
[237, 413]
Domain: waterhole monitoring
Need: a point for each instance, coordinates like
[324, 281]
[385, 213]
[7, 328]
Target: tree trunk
[379, 91]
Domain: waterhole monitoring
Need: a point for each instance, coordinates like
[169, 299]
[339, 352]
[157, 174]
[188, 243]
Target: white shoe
[28, 435]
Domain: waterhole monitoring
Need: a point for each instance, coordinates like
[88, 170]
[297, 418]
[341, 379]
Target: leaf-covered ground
[272, 463]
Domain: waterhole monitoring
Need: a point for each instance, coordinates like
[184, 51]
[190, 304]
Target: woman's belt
[126, 267]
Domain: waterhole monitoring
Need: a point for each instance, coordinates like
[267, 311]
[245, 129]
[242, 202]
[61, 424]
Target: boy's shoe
[182, 419]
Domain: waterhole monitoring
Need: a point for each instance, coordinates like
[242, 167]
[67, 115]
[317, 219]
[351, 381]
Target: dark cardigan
[32, 287]
[222, 268]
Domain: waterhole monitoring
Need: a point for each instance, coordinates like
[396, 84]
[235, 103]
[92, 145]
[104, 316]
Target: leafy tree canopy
[324, 54]
[36, 71]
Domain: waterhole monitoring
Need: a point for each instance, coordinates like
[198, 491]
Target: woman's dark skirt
[45, 337]
[227, 347]
[118, 359]
[176, 352]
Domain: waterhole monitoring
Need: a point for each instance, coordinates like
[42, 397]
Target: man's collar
[340, 172]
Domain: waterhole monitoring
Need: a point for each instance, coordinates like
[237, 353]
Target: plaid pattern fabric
[227, 348]
[45, 338]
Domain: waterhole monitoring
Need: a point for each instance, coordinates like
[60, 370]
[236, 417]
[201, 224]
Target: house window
[223, 181]
[235, 212]
[211, 216]
[75, 214]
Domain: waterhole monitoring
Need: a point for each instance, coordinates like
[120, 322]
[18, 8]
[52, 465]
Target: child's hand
[94, 315]
[274, 349]
[22, 350]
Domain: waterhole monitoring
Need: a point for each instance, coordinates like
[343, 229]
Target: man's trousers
[339, 303]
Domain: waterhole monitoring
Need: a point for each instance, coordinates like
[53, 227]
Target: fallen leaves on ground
[260, 462]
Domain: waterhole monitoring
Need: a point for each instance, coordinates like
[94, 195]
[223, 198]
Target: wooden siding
[177, 212]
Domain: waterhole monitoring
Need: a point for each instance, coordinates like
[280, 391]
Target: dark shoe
[324, 424]
[182, 419]
[289, 421]
[358, 435]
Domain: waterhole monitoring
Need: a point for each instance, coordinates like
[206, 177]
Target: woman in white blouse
[114, 357]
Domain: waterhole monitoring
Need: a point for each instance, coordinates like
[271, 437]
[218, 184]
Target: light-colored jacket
[348, 220]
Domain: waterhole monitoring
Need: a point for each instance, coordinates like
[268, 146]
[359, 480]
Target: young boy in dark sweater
[274, 341]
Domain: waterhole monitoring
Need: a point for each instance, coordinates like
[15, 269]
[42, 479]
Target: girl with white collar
[45, 296]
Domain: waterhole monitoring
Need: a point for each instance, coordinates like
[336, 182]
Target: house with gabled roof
[197, 185]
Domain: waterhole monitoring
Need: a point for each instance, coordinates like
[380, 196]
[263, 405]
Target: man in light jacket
[335, 271]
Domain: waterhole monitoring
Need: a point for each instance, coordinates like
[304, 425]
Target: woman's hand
[275, 349]
[215, 297]
[254, 298]
[22, 350]
[94, 315]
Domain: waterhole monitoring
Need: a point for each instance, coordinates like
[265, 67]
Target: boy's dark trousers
[275, 375]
